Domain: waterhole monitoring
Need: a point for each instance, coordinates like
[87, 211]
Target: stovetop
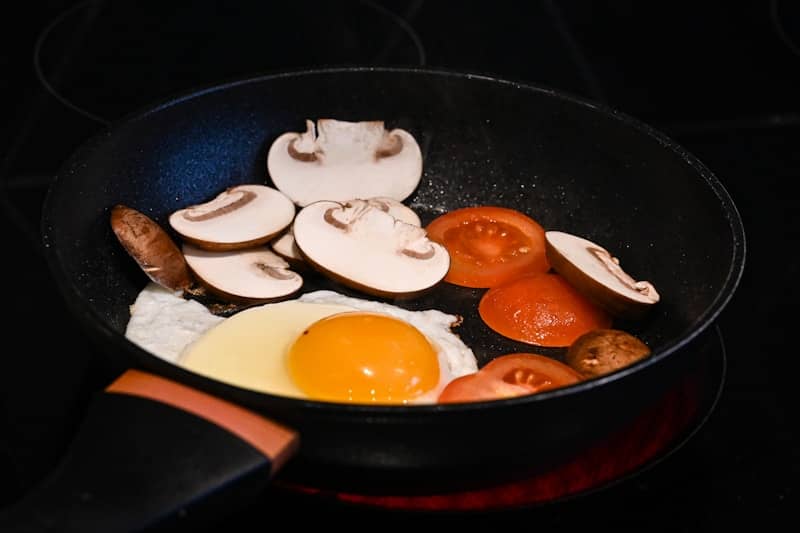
[721, 79]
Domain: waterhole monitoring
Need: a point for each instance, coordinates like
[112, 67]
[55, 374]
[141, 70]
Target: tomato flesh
[508, 376]
[489, 245]
[541, 309]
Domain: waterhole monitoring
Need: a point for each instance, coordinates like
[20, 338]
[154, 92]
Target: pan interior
[568, 164]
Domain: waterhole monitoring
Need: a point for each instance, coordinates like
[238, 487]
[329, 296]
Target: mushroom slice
[366, 248]
[285, 246]
[239, 217]
[602, 351]
[339, 160]
[151, 247]
[397, 209]
[251, 275]
[592, 270]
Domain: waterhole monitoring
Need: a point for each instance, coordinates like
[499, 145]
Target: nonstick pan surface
[570, 164]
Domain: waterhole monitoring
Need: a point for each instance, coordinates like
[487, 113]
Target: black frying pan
[570, 164]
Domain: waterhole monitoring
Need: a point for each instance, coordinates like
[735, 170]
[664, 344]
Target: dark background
[721, 78]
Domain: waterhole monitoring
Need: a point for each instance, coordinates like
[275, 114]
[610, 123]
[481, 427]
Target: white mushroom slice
[368, 249]
[251, 275]
[591, 269]
[239, 217]
[284, 244]
[397, 209]
[346, 160]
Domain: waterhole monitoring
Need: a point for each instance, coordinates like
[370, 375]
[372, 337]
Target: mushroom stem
[390, 145]
[346, 215]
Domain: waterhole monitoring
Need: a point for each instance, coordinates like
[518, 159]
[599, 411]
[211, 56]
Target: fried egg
[323, 346]
[164, 323]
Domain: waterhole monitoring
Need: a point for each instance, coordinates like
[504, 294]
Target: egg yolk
[363, 358]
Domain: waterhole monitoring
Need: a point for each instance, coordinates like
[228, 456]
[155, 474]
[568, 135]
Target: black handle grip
[137, 464]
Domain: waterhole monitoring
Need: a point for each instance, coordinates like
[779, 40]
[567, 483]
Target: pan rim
[706, 319]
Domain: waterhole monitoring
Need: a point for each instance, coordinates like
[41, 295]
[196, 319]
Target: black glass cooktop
[721, 78]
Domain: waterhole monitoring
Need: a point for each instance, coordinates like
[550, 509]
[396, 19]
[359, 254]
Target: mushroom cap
[151, 247]
[249, 275]
[591, 269]
[347, 160]
[602, 351]
[368, 249]
[239, 217]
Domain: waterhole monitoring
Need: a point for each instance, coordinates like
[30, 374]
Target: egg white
[168, 326]
[164, 323]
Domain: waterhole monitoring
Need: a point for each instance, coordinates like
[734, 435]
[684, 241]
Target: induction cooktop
[722, 82]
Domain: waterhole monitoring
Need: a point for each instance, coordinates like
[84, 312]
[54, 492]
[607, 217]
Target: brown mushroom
[151, 247]
[239, 217]
[591, 269]
[339, 160]
[602, 351]
[366, 248]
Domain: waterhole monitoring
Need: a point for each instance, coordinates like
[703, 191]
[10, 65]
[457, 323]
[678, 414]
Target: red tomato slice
[541, 309]
[489, 245]
[507, 376]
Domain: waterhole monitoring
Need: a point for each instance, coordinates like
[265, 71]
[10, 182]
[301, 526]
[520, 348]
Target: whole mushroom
[602, 351]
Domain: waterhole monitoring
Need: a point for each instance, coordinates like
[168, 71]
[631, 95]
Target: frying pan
[571, 164]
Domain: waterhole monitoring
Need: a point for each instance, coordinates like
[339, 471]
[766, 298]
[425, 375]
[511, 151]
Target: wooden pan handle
[151, 451]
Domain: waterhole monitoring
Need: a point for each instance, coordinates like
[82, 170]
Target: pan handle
[149, 452]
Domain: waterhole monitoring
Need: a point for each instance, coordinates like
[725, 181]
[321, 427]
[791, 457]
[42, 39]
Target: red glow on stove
[651, 434]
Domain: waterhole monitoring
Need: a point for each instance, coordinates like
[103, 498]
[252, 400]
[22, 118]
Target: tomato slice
[541, 309]
[507, 376]
[489, 245]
